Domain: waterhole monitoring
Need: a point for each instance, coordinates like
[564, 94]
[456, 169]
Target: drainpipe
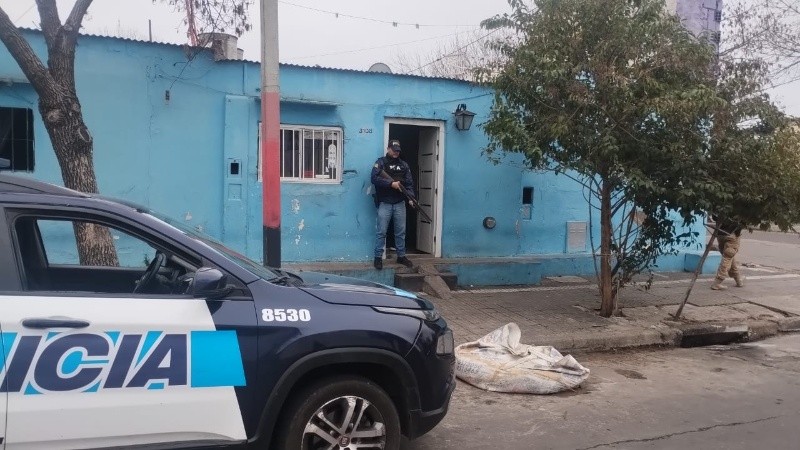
[270, 144]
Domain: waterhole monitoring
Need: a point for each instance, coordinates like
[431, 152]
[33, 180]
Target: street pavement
[742, 396]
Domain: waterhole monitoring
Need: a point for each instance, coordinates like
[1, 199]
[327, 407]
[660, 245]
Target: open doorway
[421, 143]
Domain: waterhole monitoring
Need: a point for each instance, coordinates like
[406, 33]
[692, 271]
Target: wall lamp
[463, 117]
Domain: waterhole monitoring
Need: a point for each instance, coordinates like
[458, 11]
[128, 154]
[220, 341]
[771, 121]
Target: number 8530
[285, 315]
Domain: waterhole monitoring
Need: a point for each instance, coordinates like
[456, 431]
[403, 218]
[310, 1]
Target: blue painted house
[181, 135]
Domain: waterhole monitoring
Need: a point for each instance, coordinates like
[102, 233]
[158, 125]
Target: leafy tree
[753, 156]
[617, 95]
[60, 108]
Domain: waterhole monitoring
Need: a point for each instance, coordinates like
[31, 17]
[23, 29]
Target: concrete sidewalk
[563, 311]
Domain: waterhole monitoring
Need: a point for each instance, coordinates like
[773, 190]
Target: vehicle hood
[353, 291]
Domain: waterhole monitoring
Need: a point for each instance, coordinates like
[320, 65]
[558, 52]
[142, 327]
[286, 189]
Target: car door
[95, 365]
[8, 283]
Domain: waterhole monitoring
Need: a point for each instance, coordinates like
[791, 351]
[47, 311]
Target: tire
[301, 428]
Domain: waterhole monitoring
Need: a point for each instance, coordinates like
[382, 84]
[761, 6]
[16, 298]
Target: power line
[25, 13]
[384, 46]
[371, 19]
[455, 51]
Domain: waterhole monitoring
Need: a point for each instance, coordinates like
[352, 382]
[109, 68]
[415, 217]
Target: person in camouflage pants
[728, 239]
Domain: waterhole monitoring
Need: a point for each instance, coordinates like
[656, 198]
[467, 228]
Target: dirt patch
[630, 374]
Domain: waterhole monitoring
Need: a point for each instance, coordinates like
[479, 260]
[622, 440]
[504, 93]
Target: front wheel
[347, 412]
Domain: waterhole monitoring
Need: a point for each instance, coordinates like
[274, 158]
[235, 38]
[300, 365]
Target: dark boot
[405, 261]
[378, 263]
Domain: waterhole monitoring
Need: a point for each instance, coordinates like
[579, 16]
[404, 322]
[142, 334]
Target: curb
[789, 324]
[698, 335]
[614, 340]
[683, 335]
[761, 329]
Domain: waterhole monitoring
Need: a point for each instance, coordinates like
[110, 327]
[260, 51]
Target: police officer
[391, 201]
[728, 240]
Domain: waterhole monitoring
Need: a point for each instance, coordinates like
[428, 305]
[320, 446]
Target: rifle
[409, 197]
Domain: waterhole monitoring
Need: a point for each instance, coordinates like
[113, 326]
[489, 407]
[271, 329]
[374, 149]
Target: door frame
[438, 169]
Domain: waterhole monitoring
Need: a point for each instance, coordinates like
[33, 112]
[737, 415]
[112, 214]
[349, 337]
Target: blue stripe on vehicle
[149, 340]
[7, 345]
[114, 335]
[216, 359]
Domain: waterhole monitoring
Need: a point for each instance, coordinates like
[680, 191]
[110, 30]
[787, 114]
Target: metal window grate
[16, 138]
[308, 153]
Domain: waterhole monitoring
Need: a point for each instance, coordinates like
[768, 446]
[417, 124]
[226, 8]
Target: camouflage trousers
[728, 267]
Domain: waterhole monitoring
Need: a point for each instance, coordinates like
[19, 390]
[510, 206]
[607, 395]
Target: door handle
[54, 322]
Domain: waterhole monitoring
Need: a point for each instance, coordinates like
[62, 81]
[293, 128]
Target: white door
[428, 149]
[90, 363]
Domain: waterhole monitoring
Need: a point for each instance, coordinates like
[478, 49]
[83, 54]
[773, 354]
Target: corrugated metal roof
[427, 77]
[316, 67]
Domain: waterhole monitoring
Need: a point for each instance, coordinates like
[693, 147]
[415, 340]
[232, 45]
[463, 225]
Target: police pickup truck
[160, 336]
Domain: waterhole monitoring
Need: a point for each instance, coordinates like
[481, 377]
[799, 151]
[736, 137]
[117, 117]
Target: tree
[60, 108]
[619, 96]
[753, 158]
[767, 30]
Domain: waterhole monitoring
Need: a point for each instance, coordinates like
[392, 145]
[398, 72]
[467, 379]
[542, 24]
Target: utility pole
[270, 131]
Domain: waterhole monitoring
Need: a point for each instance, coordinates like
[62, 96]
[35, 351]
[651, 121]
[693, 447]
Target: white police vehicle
[181, 342]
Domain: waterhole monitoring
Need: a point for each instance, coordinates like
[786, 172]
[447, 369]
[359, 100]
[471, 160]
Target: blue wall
[172, 153]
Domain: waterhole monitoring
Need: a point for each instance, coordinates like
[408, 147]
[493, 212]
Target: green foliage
[754, 155]
[618, 95]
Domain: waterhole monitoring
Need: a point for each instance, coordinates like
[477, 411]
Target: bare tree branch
[51, 23]
[75, 19]
[28, 61]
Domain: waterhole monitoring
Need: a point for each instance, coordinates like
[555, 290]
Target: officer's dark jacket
[399, 171]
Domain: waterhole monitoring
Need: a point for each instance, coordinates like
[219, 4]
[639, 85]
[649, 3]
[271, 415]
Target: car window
[218, 247]
[76, 255]
[61, 247]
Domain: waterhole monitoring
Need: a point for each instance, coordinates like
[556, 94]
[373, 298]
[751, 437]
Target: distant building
[701, 17]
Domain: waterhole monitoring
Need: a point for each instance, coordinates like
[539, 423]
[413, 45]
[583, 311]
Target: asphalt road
[771, 249]
[737, 397]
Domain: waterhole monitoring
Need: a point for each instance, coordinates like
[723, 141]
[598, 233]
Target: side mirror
[209, 283]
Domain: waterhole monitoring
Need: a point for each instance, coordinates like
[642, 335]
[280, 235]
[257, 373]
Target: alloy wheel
[347, 422]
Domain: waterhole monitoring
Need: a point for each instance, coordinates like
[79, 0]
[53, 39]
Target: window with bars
[309, 153]
[16, 139]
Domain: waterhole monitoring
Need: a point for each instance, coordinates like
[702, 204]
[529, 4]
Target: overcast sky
[310, 36]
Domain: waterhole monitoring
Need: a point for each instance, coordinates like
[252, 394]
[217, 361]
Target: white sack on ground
[498, 362]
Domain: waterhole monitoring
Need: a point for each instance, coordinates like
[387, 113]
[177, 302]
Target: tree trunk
[61, 112]
[607, 293]
[73, 146]
[697, 270]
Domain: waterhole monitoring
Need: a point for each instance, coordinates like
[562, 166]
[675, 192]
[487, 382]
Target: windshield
[231, 255]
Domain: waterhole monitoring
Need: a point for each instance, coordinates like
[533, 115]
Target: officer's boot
[717, 286]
